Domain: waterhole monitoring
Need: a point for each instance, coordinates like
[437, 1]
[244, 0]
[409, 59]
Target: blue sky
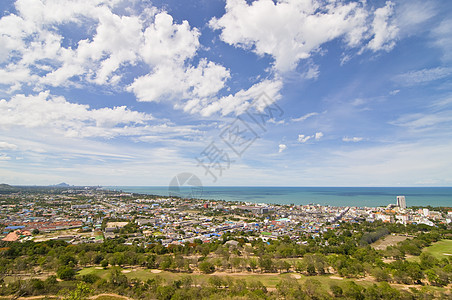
[111, 92]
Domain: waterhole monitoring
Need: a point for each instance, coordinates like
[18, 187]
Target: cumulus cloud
[384, 31]
[34, 52]
[38, 44]
[172, 81]
[352, 139]
[237, 103]
[166, 41]
[291, 30]
[70, 119]
[303, 138]
[282, 147]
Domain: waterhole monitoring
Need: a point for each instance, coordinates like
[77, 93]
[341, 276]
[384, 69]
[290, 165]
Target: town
[99, 214]
[137, 246]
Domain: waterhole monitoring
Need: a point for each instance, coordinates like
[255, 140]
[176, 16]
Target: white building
[401, 201]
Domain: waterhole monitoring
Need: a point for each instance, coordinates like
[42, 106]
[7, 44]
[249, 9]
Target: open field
[45, 236]
[270, 280]
[389, 240]
[441, 249]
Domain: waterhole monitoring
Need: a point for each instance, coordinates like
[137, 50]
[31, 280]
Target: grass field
[389, 240]
[269, 280]
[441, 249]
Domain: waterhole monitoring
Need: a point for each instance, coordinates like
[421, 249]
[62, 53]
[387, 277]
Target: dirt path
[242, 274]
[111, 295]
[38, 297]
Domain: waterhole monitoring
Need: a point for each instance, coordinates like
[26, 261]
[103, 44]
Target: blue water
[334, 196]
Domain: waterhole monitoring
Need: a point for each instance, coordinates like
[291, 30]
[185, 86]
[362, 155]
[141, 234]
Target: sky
[235, 92]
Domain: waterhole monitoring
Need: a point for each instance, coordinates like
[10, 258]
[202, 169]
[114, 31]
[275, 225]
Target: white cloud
[304, 117]
[172, 81]
[384, 31]
[352, 139]
[239, 102]
[303, 138]
[4, 157]
[424, 120]
[109, 42]
[273, 121]
[282, 147]
[70, 119]
[445, 102]
[167, 47]
[411, 14]
[291, 30]
[442, 36]
[169, 42]
[423, 76]
[312, 72]
[7, 146]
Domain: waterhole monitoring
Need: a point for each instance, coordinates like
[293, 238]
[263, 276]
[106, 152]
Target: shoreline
[323, 196]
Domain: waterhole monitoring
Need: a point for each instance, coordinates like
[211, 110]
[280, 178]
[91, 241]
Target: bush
[206, 267]
[90, 278]
[104, 263]
[66, 273]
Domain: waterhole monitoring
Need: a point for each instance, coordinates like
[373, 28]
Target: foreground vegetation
[338, 263]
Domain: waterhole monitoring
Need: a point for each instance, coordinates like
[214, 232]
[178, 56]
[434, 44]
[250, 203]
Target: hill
[63, 184]
[6, 188]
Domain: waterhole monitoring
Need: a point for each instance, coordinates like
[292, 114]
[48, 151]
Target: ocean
[334, 196]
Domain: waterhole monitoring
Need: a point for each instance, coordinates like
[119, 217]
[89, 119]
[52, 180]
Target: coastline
[332, 196]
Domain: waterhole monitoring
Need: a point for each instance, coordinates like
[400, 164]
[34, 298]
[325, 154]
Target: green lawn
[440, 249]
[102, 273]
[269, 280]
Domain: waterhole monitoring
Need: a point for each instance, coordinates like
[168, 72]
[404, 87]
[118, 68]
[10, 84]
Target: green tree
[336, 290]
[117, 278]
[206, 267]
[80, 293]
[66, 273]
[165, 292]
[104, 263]
[90, 278]
[266, 264]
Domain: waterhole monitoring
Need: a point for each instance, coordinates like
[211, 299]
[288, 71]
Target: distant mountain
[63, 184]
[6, 188]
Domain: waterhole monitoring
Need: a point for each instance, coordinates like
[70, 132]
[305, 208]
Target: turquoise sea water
[334, 196]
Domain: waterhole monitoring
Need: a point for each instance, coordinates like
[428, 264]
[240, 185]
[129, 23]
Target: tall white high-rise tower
[401, 202]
